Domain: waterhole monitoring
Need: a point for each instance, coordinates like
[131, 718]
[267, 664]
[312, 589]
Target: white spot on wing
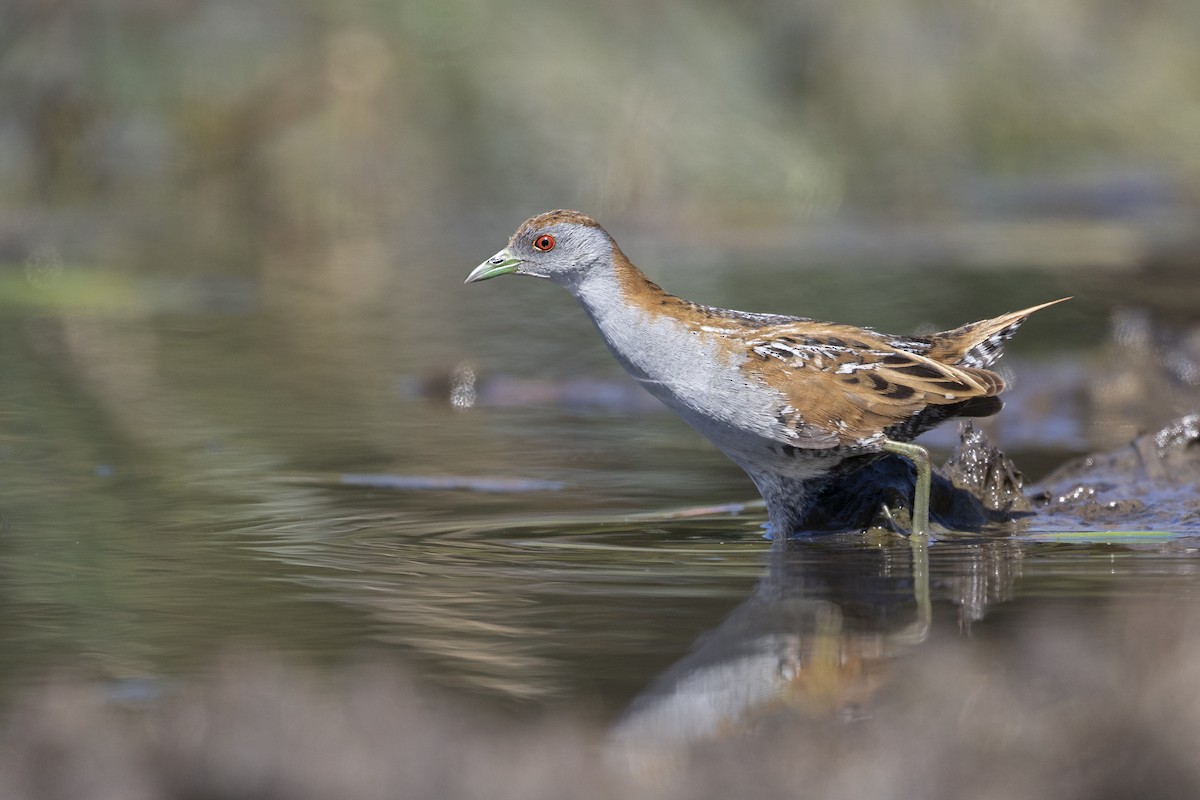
[854, 366]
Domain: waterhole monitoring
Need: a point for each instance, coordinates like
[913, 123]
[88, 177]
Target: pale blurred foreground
[1060, 714]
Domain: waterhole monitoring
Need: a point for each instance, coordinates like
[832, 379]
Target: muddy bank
[1152, 483]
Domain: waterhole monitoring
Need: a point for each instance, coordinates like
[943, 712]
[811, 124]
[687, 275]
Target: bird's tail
[979, 344]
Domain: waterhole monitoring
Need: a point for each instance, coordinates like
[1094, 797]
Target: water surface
[175, 480]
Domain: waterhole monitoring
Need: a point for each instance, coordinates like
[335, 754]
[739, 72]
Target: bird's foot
[897, 522]
[919, 457]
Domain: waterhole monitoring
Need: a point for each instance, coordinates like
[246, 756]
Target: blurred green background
[357, 139]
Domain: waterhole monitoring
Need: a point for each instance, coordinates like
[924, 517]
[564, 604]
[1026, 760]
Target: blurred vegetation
[207, 133]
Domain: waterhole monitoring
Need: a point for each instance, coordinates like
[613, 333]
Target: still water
[459, 478]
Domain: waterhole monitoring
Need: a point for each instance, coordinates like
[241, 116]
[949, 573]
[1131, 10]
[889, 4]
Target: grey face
[562, 252]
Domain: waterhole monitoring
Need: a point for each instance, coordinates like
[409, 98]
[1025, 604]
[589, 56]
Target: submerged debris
[463, 387]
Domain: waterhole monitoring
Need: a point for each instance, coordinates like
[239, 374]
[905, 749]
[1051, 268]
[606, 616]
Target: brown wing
[846, 386]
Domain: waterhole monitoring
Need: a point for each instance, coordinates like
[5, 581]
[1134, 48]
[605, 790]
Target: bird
[791, 400]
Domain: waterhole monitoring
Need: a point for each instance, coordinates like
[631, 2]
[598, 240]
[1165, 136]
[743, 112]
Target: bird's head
[560, 245]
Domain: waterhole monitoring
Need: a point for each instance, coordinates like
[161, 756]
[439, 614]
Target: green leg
[919, 456]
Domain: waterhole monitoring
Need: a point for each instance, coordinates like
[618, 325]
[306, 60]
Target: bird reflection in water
[815, 638]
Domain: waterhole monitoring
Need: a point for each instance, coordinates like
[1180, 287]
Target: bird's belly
[740, 418]
[715, 399]
[700, 377]
[756, 453]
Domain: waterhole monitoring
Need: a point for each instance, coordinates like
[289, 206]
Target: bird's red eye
[544, 242]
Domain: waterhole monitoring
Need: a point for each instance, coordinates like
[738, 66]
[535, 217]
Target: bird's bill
[500, 264]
